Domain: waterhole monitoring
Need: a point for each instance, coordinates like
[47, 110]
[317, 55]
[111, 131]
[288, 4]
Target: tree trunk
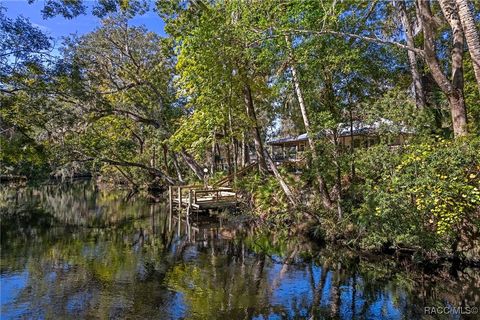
[218, 152]
[457, 105]
[193, 165]
[126, 176]
[257, 138]
[325, 196]
[452, 90]
[338, 176]
[235, 156]
[412, 57]
[283, 184]
[352, 147]
[245, 155]
[471, 34]
[177, 167]
[165, 159]
[228, 151]
[234, 145]
[456, 98]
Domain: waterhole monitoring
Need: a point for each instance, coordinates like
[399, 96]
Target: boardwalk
[198, 198]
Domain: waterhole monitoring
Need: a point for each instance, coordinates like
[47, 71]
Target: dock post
[170, 207]
[187, 217]
[179, 190]
[179, 222]
[189, 207]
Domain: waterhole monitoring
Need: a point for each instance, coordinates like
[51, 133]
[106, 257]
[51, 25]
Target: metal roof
[302, 137]
[344, 129]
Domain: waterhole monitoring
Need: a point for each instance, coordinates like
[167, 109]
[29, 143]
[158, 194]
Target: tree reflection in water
[95, 255]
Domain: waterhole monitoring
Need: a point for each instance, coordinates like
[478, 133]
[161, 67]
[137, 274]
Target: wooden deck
[198, 198]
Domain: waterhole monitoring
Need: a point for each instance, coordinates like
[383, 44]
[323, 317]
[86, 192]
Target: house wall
[370, 140]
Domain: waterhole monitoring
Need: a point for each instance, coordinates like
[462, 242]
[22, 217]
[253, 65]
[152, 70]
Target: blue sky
[59, 27]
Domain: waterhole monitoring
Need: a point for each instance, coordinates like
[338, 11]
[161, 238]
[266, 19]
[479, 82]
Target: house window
[291, 152]
[301, 147]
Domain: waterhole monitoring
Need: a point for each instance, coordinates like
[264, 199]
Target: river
[76, 251]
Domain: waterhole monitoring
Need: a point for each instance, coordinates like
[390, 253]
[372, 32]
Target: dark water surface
[73, 251]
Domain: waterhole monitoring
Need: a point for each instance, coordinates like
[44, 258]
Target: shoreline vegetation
[246, 216]
[132, 108]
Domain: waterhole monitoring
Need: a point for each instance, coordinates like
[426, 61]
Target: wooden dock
[198, 197]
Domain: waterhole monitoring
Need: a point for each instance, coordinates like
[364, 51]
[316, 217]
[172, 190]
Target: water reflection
[98, 254]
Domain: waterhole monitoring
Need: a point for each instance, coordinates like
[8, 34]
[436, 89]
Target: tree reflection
[104, 257]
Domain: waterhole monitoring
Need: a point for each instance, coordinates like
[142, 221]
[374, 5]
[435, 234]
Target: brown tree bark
[245, 155]
[165, 157]
[453, 90]
[471, 35]
[257, 138]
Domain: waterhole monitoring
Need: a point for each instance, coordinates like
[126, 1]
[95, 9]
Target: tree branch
[357, 36]
[153, 171]
[373, 39]
[156, 124]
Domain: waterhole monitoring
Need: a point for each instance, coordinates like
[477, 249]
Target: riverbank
[413, 258]
[320, 229]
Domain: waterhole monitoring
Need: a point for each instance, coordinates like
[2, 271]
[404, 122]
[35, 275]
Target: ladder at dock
[199, 197]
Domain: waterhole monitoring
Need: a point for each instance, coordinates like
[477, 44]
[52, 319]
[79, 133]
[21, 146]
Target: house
[358, 133]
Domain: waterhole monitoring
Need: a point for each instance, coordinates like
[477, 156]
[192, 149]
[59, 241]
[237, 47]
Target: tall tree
[453, 89]
[311, 136]
[26, 70]
[119, 81]
[471, 34]
[412, 55]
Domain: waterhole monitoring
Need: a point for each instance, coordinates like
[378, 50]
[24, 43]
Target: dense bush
[424, 195]
[267, 201]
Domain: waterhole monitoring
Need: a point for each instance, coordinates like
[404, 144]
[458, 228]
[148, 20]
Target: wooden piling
[179, 191]
[170, 207]
[189, 206]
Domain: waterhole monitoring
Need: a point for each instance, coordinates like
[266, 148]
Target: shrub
[426, 195]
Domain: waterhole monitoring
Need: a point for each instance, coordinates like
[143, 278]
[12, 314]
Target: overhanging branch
[344, 34]
[121, 163]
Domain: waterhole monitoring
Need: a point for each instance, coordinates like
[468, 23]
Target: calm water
[73, 251]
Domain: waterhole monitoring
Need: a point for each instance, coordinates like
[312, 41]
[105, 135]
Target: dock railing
[198, 197]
